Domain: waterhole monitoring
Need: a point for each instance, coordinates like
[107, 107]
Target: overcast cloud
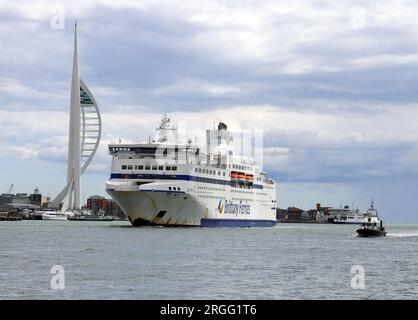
[332, 84]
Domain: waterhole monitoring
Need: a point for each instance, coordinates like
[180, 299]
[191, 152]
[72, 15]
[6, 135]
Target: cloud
[198, 87]
[298, 146]
[332, 84]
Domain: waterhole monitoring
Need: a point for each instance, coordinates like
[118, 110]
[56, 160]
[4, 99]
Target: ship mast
[164, 129]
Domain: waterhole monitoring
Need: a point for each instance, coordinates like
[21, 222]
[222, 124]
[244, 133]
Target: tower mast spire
[74, 147]
[85, 129]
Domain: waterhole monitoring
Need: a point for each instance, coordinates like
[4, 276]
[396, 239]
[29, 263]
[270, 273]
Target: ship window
[147, 167]
[195, 169]
[136, 167]
[129, 167]
[161, 168]
[123, 167]
[154, 167]
[169, 188]
[144, 151]
[219, 173]
[174, 168]
[224, 174]
[140, 167]
[168, 168]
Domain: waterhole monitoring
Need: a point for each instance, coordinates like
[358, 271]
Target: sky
[332, 84]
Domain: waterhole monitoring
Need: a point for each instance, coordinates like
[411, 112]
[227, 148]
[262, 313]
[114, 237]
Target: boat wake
[403, 234]
[279, 226]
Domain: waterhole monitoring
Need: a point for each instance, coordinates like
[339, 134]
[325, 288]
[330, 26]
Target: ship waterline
[207, 189]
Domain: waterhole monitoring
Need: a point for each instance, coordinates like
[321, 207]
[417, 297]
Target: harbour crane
[10, 190]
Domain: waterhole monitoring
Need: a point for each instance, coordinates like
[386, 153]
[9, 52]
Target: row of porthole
[174, 188]
[213, 189]
[208, 197]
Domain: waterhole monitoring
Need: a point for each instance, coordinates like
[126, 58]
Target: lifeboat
[249, 177]
[234, 175]
[241, 175]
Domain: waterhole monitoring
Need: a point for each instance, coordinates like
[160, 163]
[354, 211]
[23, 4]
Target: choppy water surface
[112, 260]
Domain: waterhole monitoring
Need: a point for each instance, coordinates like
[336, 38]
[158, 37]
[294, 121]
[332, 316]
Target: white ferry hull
[160, 208]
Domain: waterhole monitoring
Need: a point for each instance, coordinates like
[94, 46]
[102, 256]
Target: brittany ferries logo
[229, 207]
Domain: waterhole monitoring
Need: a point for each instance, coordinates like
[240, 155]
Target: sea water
[112, 260]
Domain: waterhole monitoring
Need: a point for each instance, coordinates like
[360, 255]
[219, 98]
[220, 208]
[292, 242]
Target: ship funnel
[222, 126]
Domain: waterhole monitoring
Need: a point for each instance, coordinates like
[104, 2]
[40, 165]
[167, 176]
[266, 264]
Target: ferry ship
[163, 182]
[345, 216]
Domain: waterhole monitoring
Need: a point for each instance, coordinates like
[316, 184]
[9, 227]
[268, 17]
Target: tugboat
[372, 226]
